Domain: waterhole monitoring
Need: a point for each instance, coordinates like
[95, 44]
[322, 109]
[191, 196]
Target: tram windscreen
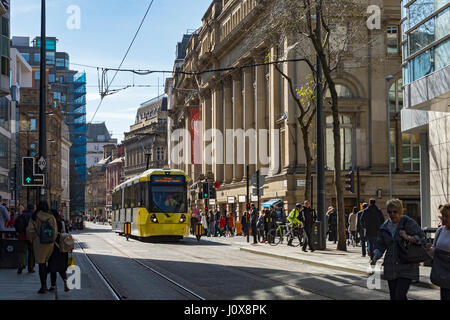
[169, 199]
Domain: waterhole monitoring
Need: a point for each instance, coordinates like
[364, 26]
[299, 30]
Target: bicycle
[277, 235]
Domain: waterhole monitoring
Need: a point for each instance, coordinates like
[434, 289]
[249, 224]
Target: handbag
[440, 269]
[410, 253]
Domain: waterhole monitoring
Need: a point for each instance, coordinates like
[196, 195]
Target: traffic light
[212, 191]
[205, 190]
[350, 182]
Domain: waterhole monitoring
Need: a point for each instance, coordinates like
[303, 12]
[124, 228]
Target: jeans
[371, 245]
[22, 255]
[308, 240]
[211, 229]
[398, 288]
[363, 244]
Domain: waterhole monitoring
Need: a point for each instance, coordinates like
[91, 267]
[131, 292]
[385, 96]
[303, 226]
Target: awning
[273, 202]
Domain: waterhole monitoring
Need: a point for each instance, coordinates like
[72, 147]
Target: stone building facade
[147, 138]
[258, 98]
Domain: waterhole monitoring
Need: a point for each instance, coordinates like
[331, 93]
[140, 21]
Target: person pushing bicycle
[294, 219]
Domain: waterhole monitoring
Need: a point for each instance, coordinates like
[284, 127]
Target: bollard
[127, 229]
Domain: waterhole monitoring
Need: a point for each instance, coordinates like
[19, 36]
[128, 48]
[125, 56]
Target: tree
[340, 23]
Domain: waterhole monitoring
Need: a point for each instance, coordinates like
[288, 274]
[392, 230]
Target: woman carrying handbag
[393, 233]
[440, 270]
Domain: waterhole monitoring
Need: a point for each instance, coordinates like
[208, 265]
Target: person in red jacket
[230, 224]
[222, 224]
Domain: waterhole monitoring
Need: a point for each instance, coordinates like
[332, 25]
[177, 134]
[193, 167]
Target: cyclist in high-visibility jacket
[294, 218]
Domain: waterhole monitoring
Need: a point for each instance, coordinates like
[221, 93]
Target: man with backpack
[371, 221]
[21, 225]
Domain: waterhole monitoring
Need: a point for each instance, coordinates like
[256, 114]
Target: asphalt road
[213, 269]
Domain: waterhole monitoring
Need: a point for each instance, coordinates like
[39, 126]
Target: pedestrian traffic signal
[350, 182]
[29, 178]
[205, 190]
[212, 191]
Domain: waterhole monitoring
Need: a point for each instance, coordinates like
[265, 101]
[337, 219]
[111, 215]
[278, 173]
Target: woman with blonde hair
[392, 232]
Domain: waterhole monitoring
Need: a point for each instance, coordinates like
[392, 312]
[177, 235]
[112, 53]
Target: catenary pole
[43, 97]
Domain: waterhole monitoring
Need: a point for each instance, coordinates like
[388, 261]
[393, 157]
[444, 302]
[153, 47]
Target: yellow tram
[155, 203]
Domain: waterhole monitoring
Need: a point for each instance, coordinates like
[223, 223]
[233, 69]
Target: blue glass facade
[425, 37]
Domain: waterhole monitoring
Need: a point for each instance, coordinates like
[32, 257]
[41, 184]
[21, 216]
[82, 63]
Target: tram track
[115, 292]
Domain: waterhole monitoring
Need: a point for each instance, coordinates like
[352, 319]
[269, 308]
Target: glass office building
[426, 87]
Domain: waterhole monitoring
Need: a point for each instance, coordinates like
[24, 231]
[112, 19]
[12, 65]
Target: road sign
[230, 200]
[258, 180]
[212, 202]
[254, 198]
[30, 178]
[42, 163]
[242, 199]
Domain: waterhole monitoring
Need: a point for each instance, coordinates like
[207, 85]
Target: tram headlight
[182, 218]
[153, 218]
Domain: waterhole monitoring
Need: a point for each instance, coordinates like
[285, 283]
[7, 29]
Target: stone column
[261, 115]
[228, 151]
[274, 115]
[187, 158]
[290, 107]
[206, 125]
[217, 125]
[249, 123]
[238, 167]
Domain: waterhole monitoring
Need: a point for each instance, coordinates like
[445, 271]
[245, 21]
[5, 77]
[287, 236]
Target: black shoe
[312, 250]
[19, 271]
[52, 288]
[42, 290]
[304, 250]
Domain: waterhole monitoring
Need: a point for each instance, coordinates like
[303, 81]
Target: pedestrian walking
[217, 220]
[253, 219]
[274, 218]
[371, 220]
[267, 223]
[42, 231]
[222, 225]
[211, 223]
[244, 222]
[195, 219]
[204, 222]
[361, 231]
[230, 224]
[57, 262]
[352, 225]
[308, 217]
[440, 249]
[393, 231]
[4, 216]
[332, 224]
[21, 225]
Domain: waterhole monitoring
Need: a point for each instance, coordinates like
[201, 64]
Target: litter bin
[428, 233]
[318, 240]
[9, 249]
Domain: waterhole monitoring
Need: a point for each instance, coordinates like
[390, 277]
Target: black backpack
[47, 233]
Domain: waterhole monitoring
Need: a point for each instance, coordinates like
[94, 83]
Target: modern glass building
[69, 87]
[426, 88]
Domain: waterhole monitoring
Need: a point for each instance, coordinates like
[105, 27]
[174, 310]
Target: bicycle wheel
[296, 239]
[273, 237]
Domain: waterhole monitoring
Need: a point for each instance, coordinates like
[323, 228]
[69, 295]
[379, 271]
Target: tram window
[132, 197]
[127, 197]
[143, 194]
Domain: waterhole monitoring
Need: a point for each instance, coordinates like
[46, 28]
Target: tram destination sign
[167, 179]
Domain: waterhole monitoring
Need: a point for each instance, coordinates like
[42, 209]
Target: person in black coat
[308, 217]
[371, 220]
[254, 215]
[58, 260]
[332, 224]
[360, 230]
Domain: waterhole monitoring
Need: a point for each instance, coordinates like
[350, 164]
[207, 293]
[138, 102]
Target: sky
[101, 38]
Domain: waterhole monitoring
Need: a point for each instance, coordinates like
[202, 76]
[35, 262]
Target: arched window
[396, 96]
[342, 92]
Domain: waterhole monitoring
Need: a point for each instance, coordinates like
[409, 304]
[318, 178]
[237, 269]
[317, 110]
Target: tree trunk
[308, 178]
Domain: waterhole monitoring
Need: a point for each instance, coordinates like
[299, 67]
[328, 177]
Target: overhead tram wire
[126, 54]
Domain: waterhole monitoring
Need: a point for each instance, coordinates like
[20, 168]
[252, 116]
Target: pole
[257, 185]
[247, 203]
[320, 144]
[388, 116]
[43, 96]
[359, 189]
[15, 186]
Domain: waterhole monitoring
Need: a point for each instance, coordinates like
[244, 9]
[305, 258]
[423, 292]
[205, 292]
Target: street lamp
[388, 115]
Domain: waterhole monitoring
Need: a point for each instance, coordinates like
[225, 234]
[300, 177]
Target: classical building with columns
[253, 117]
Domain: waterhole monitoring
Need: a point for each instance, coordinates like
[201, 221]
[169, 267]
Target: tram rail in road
[115, 293]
